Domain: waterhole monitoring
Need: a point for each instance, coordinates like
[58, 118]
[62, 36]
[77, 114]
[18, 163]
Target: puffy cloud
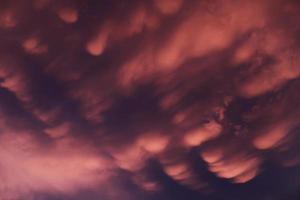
[202, 134]
[68, 15]
[33, 46]
[97, 45]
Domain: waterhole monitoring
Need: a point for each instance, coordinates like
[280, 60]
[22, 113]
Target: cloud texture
[149, 99]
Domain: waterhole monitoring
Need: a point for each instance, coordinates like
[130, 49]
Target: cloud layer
[139, 99]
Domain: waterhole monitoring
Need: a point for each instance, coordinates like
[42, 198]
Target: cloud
[27, 167]
[134, 100]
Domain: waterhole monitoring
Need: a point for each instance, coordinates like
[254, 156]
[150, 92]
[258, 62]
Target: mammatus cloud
[140, 99]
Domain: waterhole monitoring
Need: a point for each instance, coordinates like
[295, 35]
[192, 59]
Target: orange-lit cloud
[202, 134]
[68, 15]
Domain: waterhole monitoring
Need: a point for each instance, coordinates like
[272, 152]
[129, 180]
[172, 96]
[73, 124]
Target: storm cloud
[149, 99]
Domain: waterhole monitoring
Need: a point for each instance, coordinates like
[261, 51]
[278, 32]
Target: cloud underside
[96, 95]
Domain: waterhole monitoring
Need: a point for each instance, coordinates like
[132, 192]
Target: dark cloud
[160, 99]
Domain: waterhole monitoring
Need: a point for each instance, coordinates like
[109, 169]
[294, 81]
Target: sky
[149, 99]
